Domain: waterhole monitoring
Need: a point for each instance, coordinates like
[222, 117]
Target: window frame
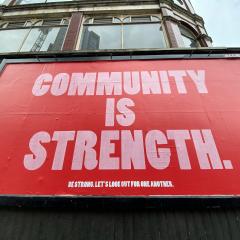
[190, 32]
[122, 23]
[33, 25]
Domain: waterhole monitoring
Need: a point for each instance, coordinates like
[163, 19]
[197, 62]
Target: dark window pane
[44, 39]
[143, 36]
[141, 19]
[101, 37]
[188, 38]
[102, 20]
[51, 22]
[54, 39]
[184, 31]
[15, 24]
[11, 40]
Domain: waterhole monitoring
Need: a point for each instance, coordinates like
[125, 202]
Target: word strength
[119, 83]
[124, 149]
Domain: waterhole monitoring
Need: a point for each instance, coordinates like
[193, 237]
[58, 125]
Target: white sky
[222, 20]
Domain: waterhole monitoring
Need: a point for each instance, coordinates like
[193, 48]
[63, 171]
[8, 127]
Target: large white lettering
[125, 149]
[119, 83]
[38, 156]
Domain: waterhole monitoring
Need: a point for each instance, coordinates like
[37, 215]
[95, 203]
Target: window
[188, 37]
[21, 2]
[41, 35]
[180, 3]
[122, 33]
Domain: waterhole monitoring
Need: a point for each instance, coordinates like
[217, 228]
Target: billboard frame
[119, 202]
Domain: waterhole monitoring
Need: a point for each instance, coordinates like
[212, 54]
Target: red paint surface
[22, 115]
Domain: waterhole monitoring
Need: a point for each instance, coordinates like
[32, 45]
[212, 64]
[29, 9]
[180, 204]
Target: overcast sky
[222, 20]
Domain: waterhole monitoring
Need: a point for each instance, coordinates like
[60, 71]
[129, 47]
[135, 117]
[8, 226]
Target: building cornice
[78, 5]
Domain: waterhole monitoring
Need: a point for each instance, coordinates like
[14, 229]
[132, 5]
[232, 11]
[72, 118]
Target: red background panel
[22, 115]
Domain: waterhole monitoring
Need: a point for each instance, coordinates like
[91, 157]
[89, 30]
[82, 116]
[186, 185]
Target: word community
[119, 83]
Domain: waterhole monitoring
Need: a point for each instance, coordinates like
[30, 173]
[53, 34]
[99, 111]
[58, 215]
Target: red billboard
[120, 128]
